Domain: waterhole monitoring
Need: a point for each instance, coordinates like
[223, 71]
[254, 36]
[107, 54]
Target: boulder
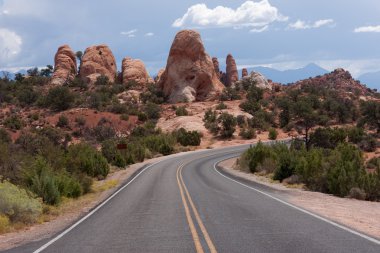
[189, 74]
[97, 61]
[231, 71]
[65, 66]
[134, 70]
[259, 79]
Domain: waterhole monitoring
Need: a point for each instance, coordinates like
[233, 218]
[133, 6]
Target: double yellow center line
[185, 193]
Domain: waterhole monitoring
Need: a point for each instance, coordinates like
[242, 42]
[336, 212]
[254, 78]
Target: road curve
[184, 204]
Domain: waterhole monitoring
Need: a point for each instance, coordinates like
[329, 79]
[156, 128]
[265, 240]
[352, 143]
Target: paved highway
[185, 204]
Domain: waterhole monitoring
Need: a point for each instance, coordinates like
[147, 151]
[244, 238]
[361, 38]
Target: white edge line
[300, 209]
[42, 248]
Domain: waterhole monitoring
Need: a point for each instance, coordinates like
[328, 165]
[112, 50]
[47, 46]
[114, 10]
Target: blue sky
[275, 33]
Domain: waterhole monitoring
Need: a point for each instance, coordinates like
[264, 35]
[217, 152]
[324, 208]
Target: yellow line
[194, 233]
[198, 218]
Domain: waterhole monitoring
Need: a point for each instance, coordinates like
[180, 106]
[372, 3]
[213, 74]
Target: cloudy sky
[276, 33]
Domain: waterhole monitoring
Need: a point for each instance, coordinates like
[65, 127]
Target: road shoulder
[363, 216]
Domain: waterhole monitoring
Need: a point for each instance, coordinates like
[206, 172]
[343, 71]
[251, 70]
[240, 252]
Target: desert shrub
[124, 117]
[4, 136]
[84, 158]
[256, 155]
[272, 134]
[80, 121]
[40, 179]
[221, 106]
[102, 80]
[68, 186]
[117, 108]
[241, 120]
[112, 154]
[355, 134]
[247, 133]
[228, 124]
[59, 99]
[142, 117]
[27, 96]
[152, 111]
[153, 94]
[14, 122]
[327, 137]
[181, 111]
[188, 138]
[357, 193]
[18, 205]
[229, 94]
[103, 131]
[286, 162]
[368, 143]
[250, 106]
[63, 121]
[346, 167]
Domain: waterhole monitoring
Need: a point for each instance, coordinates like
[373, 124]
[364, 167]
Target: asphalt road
[184, 204]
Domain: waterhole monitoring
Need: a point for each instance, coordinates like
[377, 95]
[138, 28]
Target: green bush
[59, 98]
[230, 94]
[272, 134]
[68, 186]
[221, 106]
[102, 80]
[63, 121]
[4, 136]
[188, 138]
[247, 133]
[368, 144]
[152, 111]
[181, 111]
[17, 204]
[241, 120]
[327, 137]
[4, 224]
[228, 125]
[124, 117]
[112, 154]
[84, 158]
[14, 122]
[41, 180]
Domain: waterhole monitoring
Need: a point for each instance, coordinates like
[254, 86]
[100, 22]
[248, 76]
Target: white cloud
[129, 34]
[249, 14]
[259, 30]
[302, 25]
[10, 45]
[368, 29]
[149, 34]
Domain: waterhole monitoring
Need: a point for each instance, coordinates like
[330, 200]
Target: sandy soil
[363, 216]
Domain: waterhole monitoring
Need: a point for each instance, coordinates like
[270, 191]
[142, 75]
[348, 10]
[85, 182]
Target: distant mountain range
[291, 75]
[372, 80]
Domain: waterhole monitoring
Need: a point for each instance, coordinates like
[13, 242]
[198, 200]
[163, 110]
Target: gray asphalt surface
[149, 216]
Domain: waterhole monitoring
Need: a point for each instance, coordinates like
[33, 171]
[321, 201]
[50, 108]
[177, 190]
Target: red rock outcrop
[97, 61]
[231, 71]
[189, 74]
[134, 70]
[157, 79]
[244, 73]
[216, 66]
[65, 66]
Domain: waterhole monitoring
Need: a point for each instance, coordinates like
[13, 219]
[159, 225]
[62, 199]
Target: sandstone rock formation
[259, 79]
[244, 73]
[65, 66]
[189, 74]
[216, 66]
[134, 70]
[157, 79]
[231, 71]
[97, 61]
